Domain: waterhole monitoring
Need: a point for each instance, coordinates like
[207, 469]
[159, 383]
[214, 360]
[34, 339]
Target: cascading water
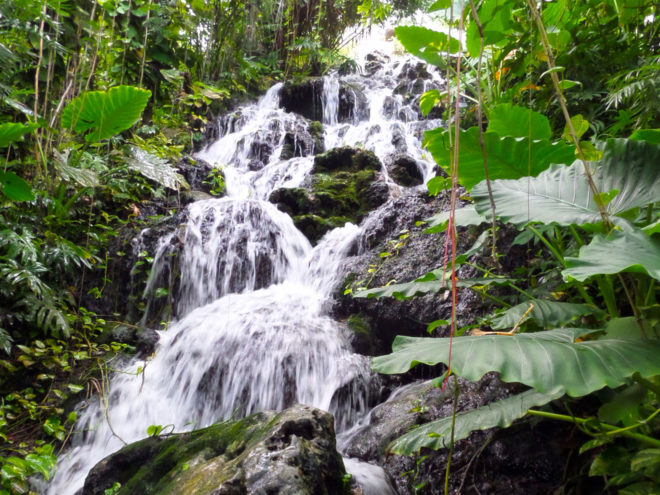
[252, 330]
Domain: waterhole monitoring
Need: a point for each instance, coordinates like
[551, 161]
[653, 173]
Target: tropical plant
[596, 216]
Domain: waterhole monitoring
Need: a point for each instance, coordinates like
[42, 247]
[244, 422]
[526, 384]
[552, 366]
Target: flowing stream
[253, 331]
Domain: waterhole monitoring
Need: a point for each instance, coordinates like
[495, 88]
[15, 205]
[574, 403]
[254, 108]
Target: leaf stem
[608, 428]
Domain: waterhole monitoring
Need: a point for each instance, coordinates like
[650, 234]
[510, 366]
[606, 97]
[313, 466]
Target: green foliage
[620, 251]
[550, 314]
[436, 434]
[551, 362]
[508, 157]
[562, 195]
[105, 113]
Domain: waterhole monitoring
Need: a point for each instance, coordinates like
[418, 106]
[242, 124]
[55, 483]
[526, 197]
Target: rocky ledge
[266, 453]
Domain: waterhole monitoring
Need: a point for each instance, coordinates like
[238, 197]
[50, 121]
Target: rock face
[305, 98]
[265, 453]
[346, 184]
[393, 229]
[522, 459]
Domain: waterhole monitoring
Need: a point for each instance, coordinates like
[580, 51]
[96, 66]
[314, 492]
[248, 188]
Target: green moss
[358, 324]
[159, 463]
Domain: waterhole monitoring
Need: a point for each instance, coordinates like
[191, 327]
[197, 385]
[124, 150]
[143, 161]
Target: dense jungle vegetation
[553, 112]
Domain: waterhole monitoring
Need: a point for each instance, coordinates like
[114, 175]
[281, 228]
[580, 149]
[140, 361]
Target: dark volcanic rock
[346, 184]
[404, 171]
[266, 453]
[413, 253]
[522, 459]
[303, 98]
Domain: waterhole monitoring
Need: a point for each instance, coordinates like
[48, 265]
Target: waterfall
[253, 331]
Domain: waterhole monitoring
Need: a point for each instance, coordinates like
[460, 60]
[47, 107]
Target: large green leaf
[506, 119]
[620, 251]
[495, 18]
[14, 187]
[10, 132]
[156, 169]
[419, 287]
[105, 113]
[436, 434]
[462, 216]
[426, 44]
[508, 157]
[562, 195]
[546, 313]
[551, 362]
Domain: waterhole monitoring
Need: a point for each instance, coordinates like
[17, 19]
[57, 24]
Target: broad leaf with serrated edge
[105, 113]
[562, 194]
[546, 313]
[550, 362]
[620, 251]
[436, 434]
[508, 157]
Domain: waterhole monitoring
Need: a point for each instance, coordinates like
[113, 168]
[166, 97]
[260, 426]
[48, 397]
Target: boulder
[403, 170]
[266, 453]
[346, 184]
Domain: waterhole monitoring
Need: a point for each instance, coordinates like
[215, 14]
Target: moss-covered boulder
[346, 184]
[346, 158]
[265, 453]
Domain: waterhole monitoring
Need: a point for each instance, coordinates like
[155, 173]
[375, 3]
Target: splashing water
[253, 331]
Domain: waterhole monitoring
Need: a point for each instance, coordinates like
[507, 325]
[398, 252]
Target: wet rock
[144, 340]
[393, 229]
[314, 226]
[346, 158]
[522, 459]
[404, 170]
[345, 185]
[306, 99]
[303, 98]
[353, 104]
[315, 130]
[290, 452]
[294, 201]
[195, 171]
[375, 62]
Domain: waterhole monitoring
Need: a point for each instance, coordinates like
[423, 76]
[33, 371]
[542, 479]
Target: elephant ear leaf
[105, 113]
[620, 251]
[551, 362]
[11, 131]
[436, 434]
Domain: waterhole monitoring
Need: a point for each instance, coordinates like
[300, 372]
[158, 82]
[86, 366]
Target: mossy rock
[345, 158]
[314, 226]
[294, 200]
[361, 334]
[290, 452]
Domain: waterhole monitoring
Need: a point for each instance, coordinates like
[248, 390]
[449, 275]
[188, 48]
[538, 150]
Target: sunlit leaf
[105, 113]
[426, 44]
[506, 119]
[508, 157]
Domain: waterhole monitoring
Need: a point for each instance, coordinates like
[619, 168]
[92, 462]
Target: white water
[253, 332]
